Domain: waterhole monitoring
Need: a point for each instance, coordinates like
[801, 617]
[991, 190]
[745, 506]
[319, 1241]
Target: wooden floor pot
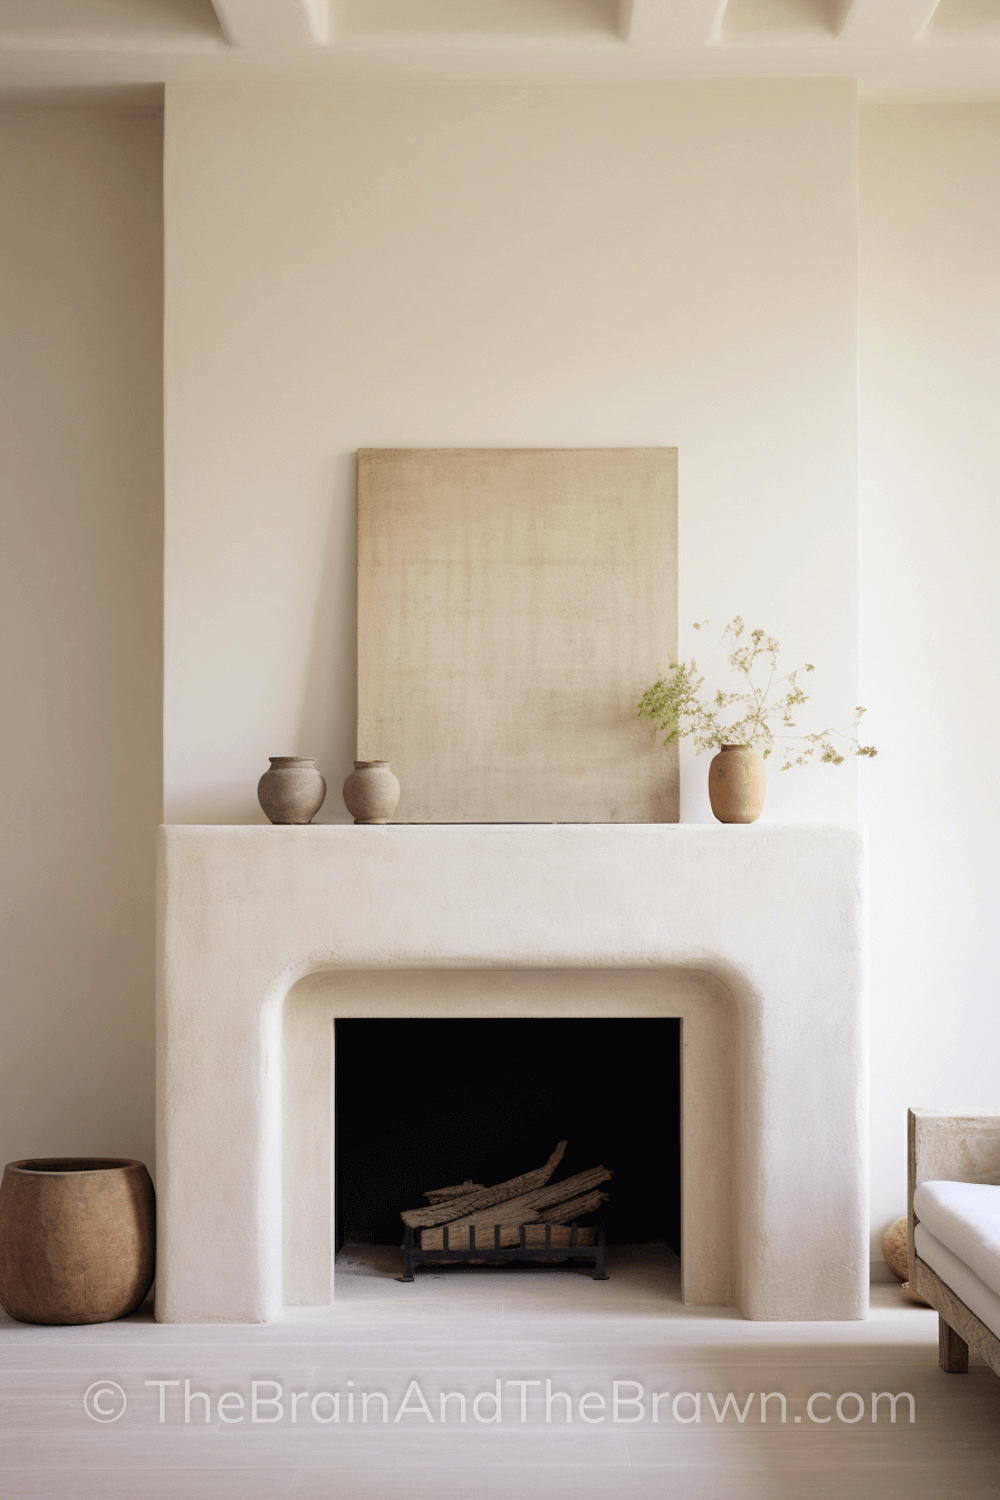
[77, 1239]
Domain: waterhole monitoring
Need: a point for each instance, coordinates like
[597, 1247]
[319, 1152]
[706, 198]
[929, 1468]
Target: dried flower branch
[746, 717]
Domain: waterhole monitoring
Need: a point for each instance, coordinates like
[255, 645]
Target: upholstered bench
[954, 1229]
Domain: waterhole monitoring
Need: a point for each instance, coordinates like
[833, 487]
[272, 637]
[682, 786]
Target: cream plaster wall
[667, 264]
[930, 613]
[670, 264]
[80, 620]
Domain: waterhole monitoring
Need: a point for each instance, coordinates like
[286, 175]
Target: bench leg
[953, 1351]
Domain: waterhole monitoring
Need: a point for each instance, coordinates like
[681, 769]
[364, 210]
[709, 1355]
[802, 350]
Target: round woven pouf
[896, 1257]
[894, 1251]
[77, 1239]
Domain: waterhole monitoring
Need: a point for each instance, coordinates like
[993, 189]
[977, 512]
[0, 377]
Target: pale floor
[462, 1330]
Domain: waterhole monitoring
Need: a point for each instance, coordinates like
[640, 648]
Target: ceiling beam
[671, 23]
[274, 24]
[885, 23]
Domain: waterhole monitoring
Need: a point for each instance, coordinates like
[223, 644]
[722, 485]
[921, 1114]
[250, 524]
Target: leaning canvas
[512, 606]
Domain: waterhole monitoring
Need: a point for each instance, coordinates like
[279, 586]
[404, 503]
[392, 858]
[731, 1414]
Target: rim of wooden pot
[67, 1166]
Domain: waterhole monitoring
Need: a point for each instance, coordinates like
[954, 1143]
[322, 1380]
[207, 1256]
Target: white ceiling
[939, 49]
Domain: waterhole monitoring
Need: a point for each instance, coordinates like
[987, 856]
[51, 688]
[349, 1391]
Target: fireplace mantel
[774, 913]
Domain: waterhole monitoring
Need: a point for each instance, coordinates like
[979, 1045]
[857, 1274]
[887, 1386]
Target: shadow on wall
[81, 614]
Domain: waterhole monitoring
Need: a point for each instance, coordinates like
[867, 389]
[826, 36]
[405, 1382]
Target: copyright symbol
[104, 1401]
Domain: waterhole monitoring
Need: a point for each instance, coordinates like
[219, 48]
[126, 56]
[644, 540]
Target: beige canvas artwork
[513, 604]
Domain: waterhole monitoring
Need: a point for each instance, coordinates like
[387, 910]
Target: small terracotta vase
[737, 782]
[371, 792]
[292, 791]
[77, 1239]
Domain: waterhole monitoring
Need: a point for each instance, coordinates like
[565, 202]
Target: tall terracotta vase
[77, 1239]
[737, 782]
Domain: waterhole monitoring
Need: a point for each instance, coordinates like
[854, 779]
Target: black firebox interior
[428, 1103]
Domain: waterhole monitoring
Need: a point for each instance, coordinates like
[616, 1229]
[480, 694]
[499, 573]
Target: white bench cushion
[965, 1218]
[968, 1288]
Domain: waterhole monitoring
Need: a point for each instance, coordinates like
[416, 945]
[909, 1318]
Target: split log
[442, 1195]
[526, 1208]
[576, 1208]
[455, 1208]
[570, 1187]
[510, 1234]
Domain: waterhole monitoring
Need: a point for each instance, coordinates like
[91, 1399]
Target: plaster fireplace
[753, 936]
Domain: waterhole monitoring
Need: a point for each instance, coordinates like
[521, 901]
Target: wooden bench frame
[952, 1147]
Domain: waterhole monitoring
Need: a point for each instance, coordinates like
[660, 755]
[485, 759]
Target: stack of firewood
[531, 1199]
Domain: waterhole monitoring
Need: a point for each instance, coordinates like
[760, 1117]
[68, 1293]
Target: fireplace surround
[753, 936]
[551, 992]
